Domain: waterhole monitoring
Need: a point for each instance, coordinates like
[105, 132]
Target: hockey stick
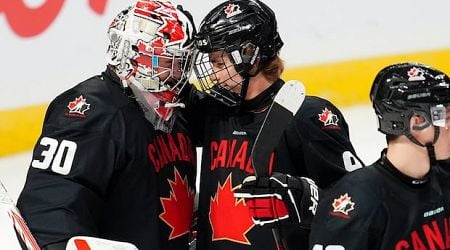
[14, 231]
[285, 105]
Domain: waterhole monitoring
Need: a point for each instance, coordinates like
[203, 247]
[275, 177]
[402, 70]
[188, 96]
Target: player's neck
[257, 85]
[409, 158]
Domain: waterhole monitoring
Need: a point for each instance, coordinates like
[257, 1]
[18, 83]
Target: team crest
[78, 107]
[416, 74]
[328, 118]
[343, 205]
[232, 10]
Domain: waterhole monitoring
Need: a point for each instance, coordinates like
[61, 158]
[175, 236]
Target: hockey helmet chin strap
[244, 87]
[429, 145]
[246, 75]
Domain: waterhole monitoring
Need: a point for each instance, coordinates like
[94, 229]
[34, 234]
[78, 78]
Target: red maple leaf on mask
[229, 217]
[178, 208]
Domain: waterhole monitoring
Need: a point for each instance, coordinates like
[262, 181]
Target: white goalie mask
[150, 49]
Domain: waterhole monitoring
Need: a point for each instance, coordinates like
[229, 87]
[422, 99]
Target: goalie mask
[150, 49]
[236, 40]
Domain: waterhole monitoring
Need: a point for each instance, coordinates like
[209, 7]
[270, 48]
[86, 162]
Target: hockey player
[402, 200]
[239, 68]
[111, 161]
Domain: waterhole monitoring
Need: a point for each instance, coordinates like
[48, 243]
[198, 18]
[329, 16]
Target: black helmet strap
[245, 86]
[429, 145]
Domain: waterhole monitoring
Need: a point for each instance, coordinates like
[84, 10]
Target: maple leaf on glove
[279, 198]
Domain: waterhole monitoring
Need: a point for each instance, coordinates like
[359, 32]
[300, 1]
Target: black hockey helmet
[237, 25]
[402, 90]
[247, 31]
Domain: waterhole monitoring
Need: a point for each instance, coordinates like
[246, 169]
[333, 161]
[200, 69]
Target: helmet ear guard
[244, 58]
[425, 124]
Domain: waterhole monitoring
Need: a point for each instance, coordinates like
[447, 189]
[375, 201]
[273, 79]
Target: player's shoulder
[319, 116]
[359, 195]
[104, 89]
[95, 101]
[312, 105]
[367, 178]
[364, 184]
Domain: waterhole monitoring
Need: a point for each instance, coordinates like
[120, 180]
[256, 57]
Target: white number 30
[61, 161]
[329, 247]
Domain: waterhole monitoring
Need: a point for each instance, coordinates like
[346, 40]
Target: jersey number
[350, 161]
[329, 247]
[61, 161]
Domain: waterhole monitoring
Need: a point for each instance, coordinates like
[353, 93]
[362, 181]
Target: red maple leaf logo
[412, 72]
[79, 105]
[343, 204]
[229, 217]
[229, 9]
[328, 118]
[232, 10]
[416, 74]
[324, 116]
[178, 208]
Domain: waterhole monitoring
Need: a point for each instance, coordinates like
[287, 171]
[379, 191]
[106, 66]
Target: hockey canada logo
[416, 74]
[232, 10]
[78, 107]
[343, 205]
[328, 118]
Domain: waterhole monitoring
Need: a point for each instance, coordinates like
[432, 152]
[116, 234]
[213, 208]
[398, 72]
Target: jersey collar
[264, 99]
[404, 178]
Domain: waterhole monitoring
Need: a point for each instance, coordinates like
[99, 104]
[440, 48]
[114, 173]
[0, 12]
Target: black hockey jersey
[315, 144]
[378, 207]
[100, 169]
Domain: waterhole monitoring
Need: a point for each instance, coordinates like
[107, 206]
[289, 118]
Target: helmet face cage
[215, 69]
[151, 48]
[247, 31]
[403, 90]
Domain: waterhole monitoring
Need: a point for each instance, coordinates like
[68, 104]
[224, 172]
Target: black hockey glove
[280, 197]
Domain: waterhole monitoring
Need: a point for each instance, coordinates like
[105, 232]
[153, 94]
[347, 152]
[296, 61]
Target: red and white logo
[343, 205]
[232, 10]
[328, 118]
[416, 74]
[78, 107]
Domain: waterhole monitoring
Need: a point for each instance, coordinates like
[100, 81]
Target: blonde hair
[274, 68]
